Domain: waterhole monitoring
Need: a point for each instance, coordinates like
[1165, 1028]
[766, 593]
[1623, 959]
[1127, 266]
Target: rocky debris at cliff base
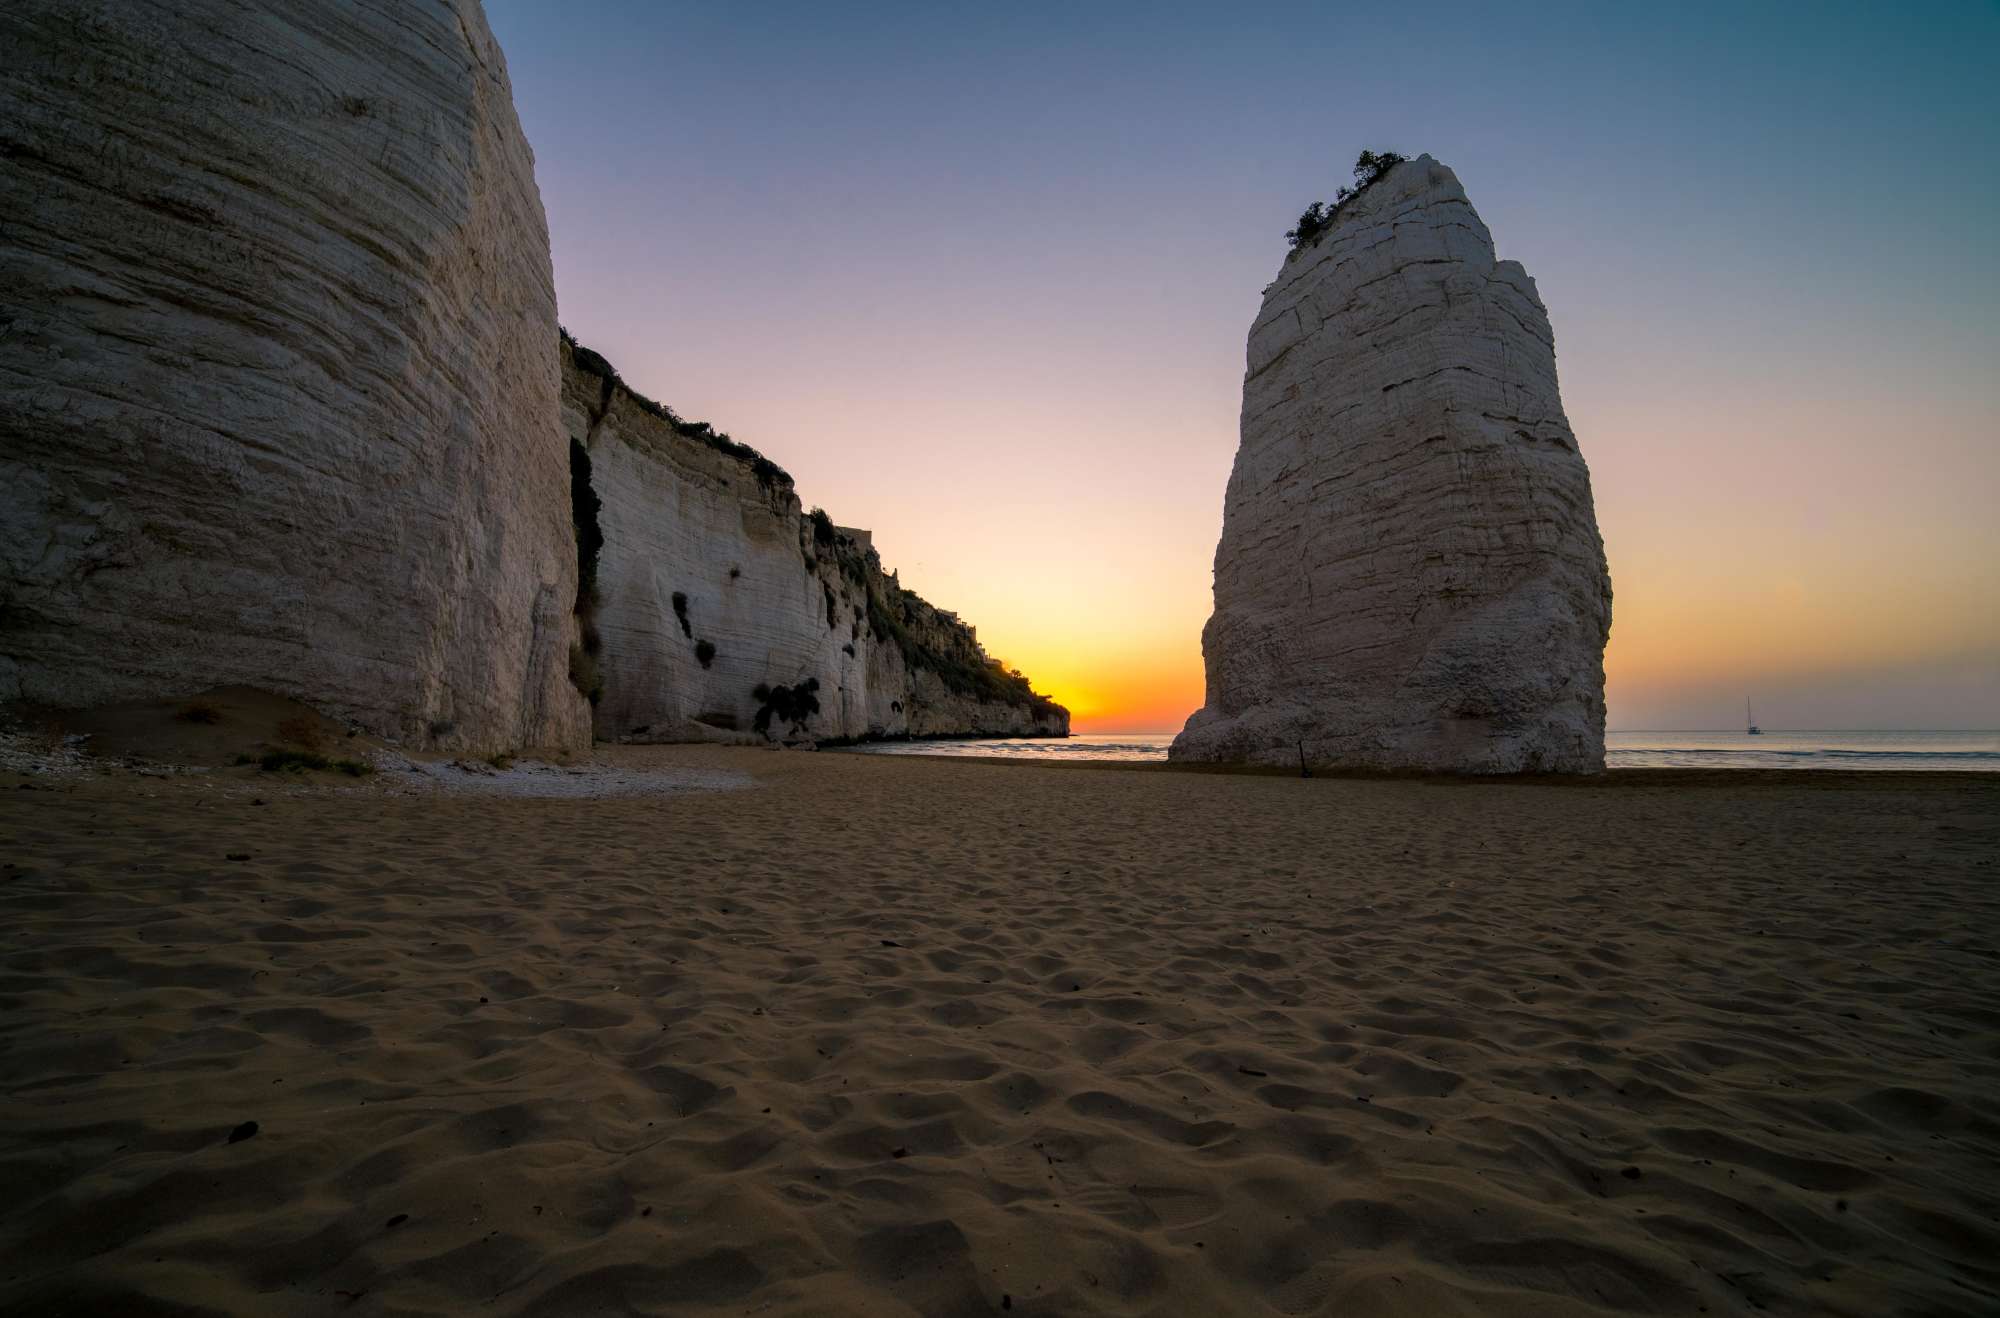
[245, 741]
[539, 778]
[35, 754]
[34, 759]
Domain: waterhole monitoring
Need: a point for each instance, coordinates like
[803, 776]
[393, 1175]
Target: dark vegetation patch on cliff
[584, 507]
[929, 638]
[766, 471]
[681, 612]
[787, 704]
[1319, 217]
[938, 642]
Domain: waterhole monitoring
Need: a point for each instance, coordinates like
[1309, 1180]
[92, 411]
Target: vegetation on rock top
[1317, 218]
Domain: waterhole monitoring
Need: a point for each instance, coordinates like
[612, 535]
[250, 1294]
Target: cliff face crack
[599, 411]
[1442, 370]
[1408, 577]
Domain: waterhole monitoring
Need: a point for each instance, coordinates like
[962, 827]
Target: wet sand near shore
[903, 1036]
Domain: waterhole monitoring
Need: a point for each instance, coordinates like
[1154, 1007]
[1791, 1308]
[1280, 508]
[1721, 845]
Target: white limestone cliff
[1410, 574]
[713, 585]
[277, 387]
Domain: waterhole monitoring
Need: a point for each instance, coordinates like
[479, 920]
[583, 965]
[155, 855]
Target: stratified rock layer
[707, 546]
[276, 381]
[1410, 574]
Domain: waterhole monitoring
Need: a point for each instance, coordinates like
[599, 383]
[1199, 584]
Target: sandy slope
[895, 1036]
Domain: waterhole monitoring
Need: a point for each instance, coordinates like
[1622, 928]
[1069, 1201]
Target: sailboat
[1751, 719]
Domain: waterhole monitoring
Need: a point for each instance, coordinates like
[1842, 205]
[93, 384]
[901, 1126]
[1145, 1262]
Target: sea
[1622, 750]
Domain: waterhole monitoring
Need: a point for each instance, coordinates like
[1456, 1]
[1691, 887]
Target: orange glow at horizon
[1691, 626]
[1156, 699]
[1719, 593]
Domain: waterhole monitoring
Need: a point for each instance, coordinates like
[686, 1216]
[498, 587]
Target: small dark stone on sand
[1631, 1173]
[397, 1221]
[900, 1153]
[257, 801]
[890, 942]
[1840, 1205]
[646, 1212]
[236, 855]
[482, 999]
[1244, 1070]
[1006, 1301]
[243, 1132]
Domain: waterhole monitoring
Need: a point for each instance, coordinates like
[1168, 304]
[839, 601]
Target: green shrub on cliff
[963, 669]
[1316, 219]
[767, 472]
[1313, 221]
[590, 361]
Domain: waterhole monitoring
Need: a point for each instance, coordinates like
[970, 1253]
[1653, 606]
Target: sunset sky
[979, 278]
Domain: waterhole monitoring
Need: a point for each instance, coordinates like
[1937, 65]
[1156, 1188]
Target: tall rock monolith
[1410, 575]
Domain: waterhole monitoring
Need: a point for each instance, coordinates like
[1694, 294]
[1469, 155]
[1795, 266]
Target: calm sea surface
[1623, 750]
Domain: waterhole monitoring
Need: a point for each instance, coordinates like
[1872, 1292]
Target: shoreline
[1620, 777]
[900, 738]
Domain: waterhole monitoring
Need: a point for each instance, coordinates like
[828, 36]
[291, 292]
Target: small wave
[1076, 748]
[1688, 757]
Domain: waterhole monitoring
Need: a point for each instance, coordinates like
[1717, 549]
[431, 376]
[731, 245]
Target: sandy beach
[904, 1036]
